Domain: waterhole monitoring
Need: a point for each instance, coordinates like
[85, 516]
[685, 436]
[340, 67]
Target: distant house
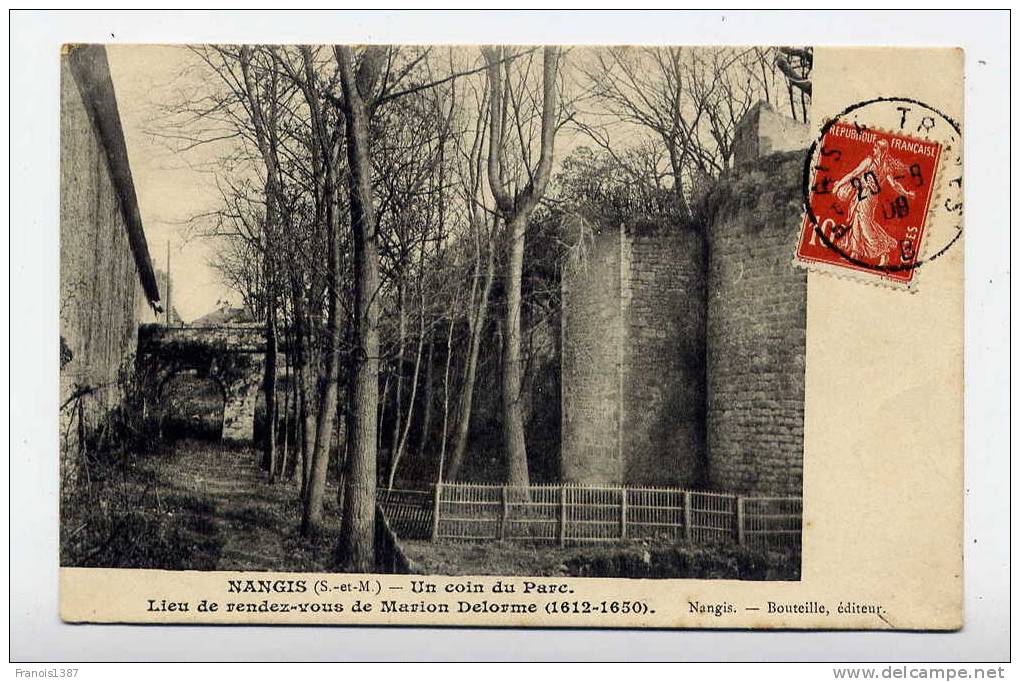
[224, 315]
[107, 282]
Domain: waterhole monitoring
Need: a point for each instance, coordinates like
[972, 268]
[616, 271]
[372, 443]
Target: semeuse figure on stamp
[864, 237]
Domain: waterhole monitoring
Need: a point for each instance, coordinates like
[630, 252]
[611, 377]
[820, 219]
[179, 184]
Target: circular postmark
[883, 189]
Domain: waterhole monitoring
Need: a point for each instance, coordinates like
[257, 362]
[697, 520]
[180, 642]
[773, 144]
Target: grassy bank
[633, 560]
[194, 505]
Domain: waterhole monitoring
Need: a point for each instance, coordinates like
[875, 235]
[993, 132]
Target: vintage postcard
[643, 337]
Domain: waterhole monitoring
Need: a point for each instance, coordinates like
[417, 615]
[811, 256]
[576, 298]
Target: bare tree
[264, 109]
[358, 521]
[795, 63]
[483, 224]
[325, 170]
[385, 134]
[515, 207]
[689, 99]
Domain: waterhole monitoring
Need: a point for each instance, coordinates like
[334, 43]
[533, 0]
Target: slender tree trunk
[301, 354]
[510, 387]
[341, 444]
[344, 466]
[446, 399]
[319, 461]
[311, 521]
[463, 422]
[339, 431]
[323, 172]
[272, 352]
[414, 391]
[426, 419]
[310, 390]
[285, 455]
[676, 164]
[477, 308]
[264, 124]
[299, 434]
[307, 430]
[382, 412]
[516, 210]
[357, 532]
[398, 400]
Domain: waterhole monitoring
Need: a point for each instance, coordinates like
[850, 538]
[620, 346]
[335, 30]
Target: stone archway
[191, 404]
[241, 378]
[232, 355]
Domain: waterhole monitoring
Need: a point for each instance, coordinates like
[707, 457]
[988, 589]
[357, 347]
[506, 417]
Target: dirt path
[256, 523]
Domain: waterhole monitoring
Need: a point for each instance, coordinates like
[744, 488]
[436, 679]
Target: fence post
[623, 513]
[740, 520]
[687, 516]
[504, 513]
[563, 515]
[435, 511]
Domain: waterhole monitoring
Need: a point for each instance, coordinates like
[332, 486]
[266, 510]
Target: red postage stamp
[868, 196]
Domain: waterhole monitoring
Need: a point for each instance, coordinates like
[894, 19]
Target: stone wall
[101, 298]
[540, 397]
[633, 357]
[764, 131]
[757, 307]
[183, 340]
[663, 376]
[591, 358]
[683, 346]
[233, 355]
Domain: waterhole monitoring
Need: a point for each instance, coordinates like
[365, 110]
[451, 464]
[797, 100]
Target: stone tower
[633, 357]
[684, 346]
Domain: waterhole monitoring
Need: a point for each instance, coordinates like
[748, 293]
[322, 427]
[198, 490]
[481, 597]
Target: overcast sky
[173, 187]
[169, 191]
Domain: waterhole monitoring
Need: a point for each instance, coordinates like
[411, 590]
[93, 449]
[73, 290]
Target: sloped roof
[224, 316]
[91, 72]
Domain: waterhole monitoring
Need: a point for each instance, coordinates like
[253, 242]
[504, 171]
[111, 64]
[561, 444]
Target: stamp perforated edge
[875, 277]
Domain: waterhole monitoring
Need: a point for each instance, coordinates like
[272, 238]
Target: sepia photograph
[509, 335]
[521, 311]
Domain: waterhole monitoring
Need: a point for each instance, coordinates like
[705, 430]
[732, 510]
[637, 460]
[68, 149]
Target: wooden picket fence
[568, 514]
[769, 522]
[409, 512]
